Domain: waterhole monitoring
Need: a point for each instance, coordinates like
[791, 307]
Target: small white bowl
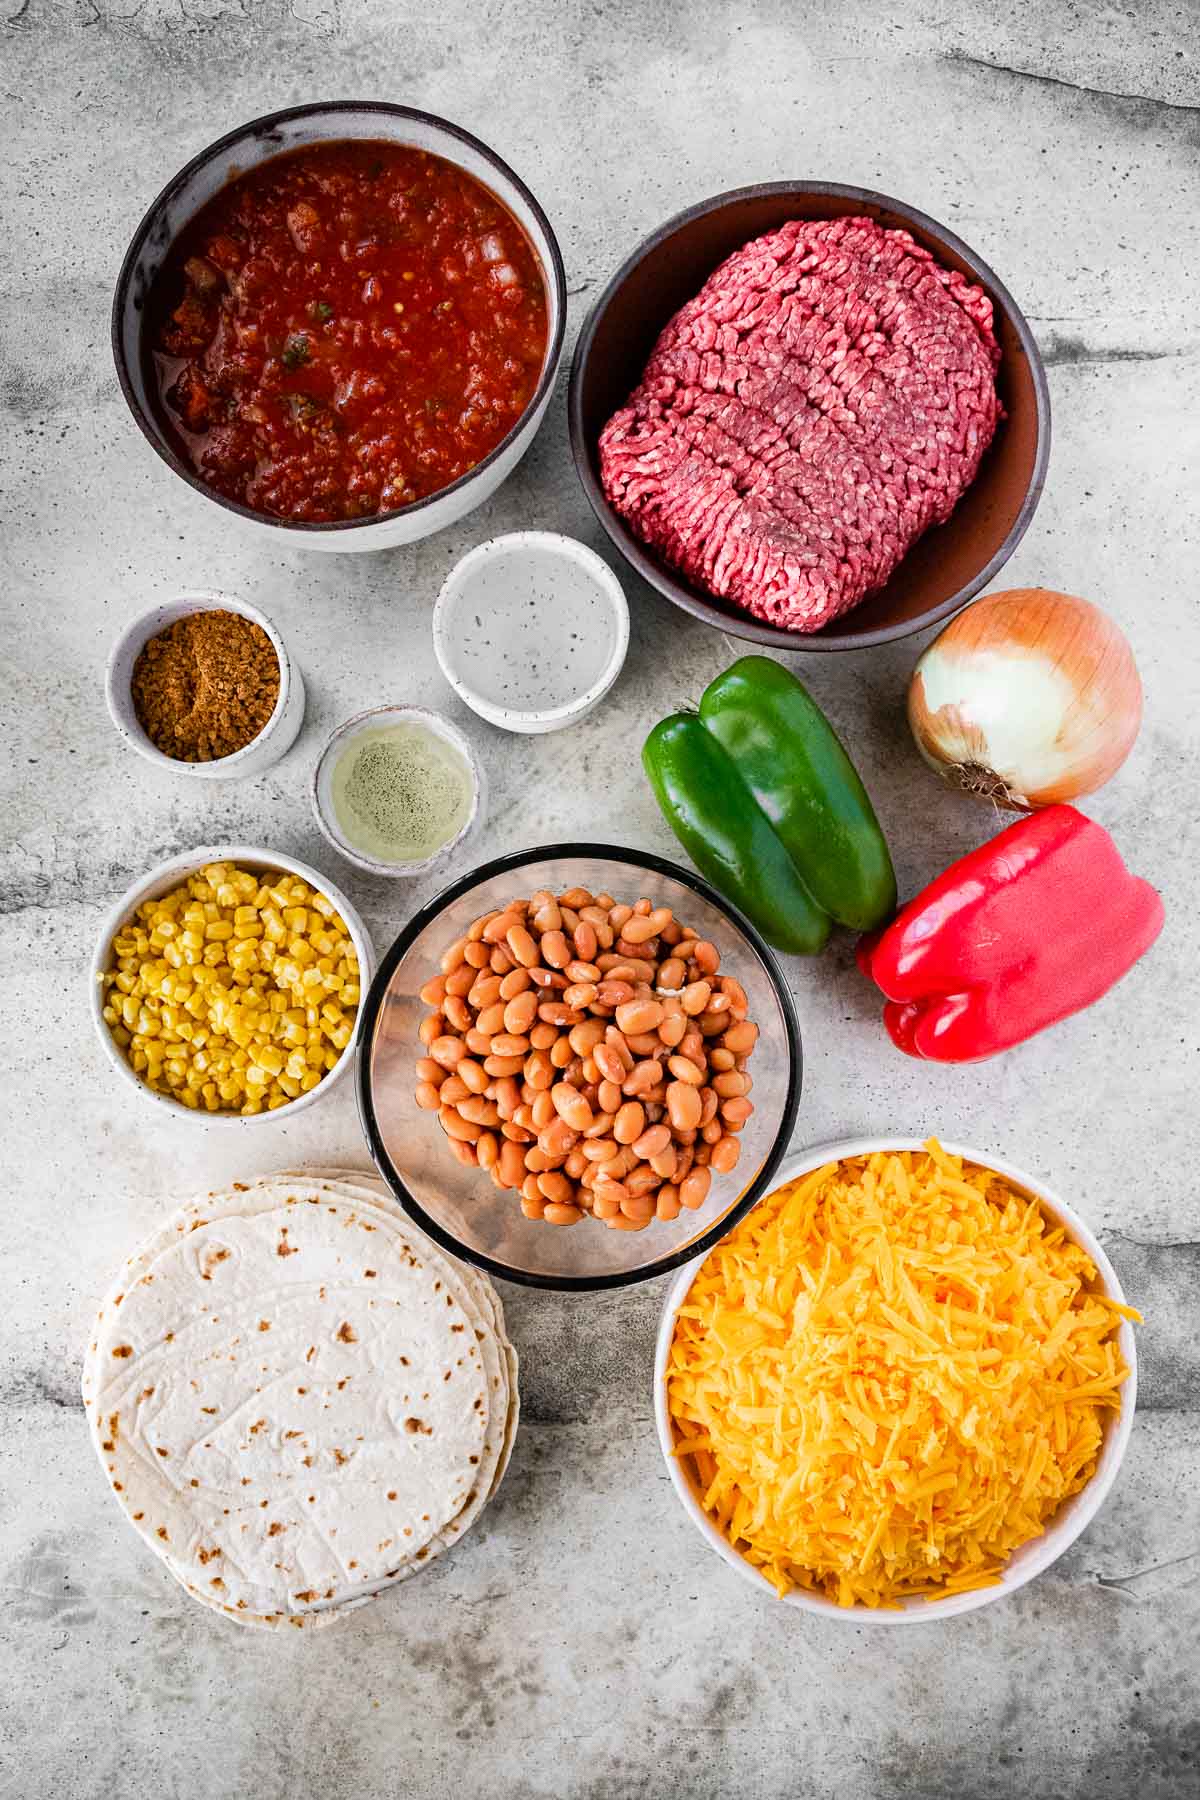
[1030, 1560]
[169, 875]
[531, 630]
[277, 735]
[322, 784]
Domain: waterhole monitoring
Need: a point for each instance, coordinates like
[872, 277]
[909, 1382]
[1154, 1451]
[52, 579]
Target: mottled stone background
[582, 1645]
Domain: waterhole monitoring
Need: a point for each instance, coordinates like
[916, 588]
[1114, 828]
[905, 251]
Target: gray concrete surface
[581, 1644]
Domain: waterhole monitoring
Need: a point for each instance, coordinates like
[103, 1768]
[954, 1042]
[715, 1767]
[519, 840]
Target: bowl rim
[1084, 1505]
[120, 703]
[178, 866]
[578, 1284]
[607, 582]
[442, 727]
[664, 580]
[556, 279]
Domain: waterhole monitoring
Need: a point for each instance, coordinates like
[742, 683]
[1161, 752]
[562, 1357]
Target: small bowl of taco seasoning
[396, 789]
[204, 684]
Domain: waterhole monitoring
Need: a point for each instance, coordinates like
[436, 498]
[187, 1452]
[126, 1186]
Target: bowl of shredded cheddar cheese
[901, 1386]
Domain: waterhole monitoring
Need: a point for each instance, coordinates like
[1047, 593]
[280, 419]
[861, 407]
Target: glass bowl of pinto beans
[579, 1067]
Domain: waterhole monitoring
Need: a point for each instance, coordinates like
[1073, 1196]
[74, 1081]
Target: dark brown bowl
[945, 568]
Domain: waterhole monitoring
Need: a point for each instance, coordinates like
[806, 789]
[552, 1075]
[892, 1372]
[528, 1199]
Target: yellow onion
[1027, 698]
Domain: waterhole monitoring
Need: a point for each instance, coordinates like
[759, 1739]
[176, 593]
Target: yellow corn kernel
[310, 1079]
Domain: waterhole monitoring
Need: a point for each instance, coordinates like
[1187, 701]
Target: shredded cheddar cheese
[890, 1376]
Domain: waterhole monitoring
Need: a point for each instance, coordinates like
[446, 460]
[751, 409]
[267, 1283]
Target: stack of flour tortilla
[297, 1398]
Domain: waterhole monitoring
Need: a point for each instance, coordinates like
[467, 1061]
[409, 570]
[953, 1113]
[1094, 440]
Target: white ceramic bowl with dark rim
[1033, 1557]
[257, 142]
[321, 791]
[262, 752]
[161, 880]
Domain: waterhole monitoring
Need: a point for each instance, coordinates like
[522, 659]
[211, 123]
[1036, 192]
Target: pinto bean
[683, 1106]
[652, 1142]
[640, 1015]
[629, 1123]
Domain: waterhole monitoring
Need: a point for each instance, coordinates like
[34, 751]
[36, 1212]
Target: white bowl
[531, 630]
[161, 880]
[322, 783]
[277, 735]
[1030, 1560]
[254, 143]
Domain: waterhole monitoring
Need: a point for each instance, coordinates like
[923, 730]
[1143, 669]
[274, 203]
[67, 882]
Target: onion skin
[1026, 699]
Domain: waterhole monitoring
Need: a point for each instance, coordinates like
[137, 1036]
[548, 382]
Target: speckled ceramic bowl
[531, 630]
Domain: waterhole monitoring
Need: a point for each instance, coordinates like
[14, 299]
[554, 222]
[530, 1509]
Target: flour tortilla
[239, 1314]
[372, 1195]
[474, 1292]
[374, 1189]
[369, 1190]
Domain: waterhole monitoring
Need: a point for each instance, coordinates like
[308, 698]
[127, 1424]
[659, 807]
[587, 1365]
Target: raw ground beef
[824, 399]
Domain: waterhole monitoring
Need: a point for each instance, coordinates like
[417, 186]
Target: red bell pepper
[1029, 928]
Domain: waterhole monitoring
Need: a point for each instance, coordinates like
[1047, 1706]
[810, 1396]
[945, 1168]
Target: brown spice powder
[205, 686]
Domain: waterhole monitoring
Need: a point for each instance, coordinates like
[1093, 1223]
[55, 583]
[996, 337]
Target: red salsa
[345, 329]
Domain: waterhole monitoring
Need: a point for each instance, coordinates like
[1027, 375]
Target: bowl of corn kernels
[227, 983]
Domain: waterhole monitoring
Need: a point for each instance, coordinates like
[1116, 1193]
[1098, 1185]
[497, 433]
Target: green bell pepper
[763, 797]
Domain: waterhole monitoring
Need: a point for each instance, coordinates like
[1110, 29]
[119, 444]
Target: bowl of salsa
[342, 322]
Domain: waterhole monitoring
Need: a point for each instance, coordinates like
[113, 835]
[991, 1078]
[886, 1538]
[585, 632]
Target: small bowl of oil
[396, 789]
